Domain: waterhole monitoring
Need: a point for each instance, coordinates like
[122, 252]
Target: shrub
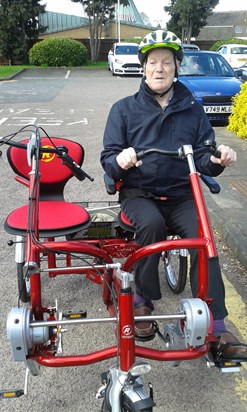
[218, 43]
[58, 52]
[238, 118]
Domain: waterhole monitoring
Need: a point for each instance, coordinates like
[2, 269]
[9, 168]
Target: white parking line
[3, 120]
[67, 74]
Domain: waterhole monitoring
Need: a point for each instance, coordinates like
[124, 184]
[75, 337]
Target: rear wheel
[23, 284]
[176, 268]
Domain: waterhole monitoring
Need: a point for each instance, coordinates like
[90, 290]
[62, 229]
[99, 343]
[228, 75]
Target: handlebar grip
[217, 154]
[73, 166]
[140, 155]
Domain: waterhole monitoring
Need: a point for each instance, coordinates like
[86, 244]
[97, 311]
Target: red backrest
[54, 174]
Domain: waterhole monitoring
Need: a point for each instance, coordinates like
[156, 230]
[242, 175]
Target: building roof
[56, 22]
[130, 14]
[224, 18]
[221, 25]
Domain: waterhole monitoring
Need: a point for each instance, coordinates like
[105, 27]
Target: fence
[105, 46]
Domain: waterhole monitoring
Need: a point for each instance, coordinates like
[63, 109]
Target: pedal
[81, 314]
[224, 365]
[14, 393]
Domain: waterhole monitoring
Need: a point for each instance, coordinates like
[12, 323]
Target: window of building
[238, 29]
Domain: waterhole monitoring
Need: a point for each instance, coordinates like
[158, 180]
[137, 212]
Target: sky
[152, 8]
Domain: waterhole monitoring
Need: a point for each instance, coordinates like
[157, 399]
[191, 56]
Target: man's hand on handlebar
[225, 156]
[127, 159]
[228, 156]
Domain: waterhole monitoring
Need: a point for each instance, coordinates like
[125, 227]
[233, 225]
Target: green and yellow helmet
[159, 39]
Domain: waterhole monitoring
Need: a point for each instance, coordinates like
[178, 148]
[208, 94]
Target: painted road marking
[238, 316]
[39, 116]
[3, 120]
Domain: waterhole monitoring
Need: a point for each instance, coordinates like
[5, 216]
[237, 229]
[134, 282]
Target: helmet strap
[159, 94]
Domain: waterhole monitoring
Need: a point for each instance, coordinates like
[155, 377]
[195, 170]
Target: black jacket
[138, 121]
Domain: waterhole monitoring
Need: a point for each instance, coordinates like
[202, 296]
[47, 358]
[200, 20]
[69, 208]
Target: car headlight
[118, 61]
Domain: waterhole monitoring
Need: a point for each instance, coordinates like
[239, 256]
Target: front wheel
[104, 408]
[112, 71]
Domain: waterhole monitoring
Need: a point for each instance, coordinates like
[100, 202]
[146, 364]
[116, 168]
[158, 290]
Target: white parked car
[190, 46]
[123, 59]
[235, 54]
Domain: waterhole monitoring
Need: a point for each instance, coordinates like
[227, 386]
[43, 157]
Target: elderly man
[164, 114]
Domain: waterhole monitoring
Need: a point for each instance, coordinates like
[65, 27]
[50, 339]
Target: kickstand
[26, 381]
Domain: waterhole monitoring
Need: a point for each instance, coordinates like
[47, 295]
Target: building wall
[79, 33]
[127, 31]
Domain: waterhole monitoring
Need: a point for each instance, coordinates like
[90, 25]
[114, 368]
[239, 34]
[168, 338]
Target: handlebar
[209, 147]
[60, 151]
[71, 164]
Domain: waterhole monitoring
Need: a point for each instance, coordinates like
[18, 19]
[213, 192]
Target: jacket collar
[180, 92]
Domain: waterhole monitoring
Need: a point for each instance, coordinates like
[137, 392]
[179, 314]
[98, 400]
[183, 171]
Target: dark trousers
[150, 218]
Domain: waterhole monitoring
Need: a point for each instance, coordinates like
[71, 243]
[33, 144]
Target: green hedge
[218, 43]
[53, 52]
[238, 118]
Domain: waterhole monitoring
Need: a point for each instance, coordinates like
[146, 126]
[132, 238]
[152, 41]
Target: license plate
[217, 109]
[132, 68]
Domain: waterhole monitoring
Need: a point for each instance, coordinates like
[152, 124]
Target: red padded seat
[56, 218]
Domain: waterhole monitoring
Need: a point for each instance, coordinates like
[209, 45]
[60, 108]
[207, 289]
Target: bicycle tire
[23, 293]
[104, 408]
[176, 268]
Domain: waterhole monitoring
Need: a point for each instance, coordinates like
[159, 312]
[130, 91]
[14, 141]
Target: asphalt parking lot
[75, 104]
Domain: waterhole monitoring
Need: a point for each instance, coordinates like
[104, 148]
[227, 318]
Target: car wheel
[112, 71]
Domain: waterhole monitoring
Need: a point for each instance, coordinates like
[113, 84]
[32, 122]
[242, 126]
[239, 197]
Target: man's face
[159, 69]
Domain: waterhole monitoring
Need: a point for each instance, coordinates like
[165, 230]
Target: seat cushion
[54, 216]
[125, 223]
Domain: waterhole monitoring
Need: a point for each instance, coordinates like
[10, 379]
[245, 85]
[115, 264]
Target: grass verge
[8, 71]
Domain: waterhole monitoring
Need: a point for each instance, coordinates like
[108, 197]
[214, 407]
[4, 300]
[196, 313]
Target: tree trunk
[95, 28]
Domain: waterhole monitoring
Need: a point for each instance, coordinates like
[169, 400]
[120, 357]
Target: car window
[222, 50]
[126, 50]
[238, 50]
[204, 65]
